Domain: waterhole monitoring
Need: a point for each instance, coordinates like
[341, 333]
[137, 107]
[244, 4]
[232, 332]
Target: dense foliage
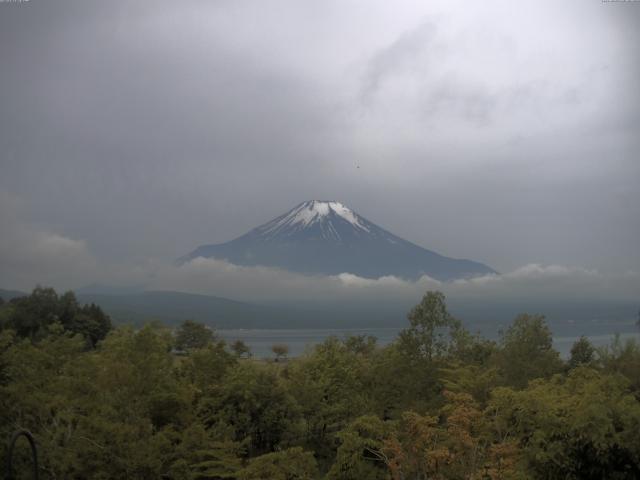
[438, 403]
[35, 315]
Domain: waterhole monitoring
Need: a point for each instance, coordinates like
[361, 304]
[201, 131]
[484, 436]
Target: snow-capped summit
[312, 211]
[327, 237]
[324, 216]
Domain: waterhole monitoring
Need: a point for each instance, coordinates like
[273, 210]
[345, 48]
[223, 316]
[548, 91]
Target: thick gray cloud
[130, 132]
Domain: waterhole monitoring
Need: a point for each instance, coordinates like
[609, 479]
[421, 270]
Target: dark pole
[34, 453]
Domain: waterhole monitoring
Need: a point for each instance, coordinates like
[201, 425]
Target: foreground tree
[527, 351]
[132, 408]
[192, 335]
[240, 349]
[252, 404]
[280, 350]
[429, 333]
[290, 464]
[622, 358]
[361, 344]
[582, 353]
[202, 454]
[582, 426]
[33, 316]
[360, 454]
[414, 364]
[457, 443]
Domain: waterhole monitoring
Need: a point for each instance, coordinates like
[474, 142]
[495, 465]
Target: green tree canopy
[280, 350]
[135, 408]
[192, 335]
[251, 403]
[240, 349]
[33, 315]
[360, 454]
[582, 353]
[527, 351]
[430, 328]
[582, 426]
[361, 344]
[290, 464]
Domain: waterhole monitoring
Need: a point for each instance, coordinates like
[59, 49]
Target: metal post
[34, 453]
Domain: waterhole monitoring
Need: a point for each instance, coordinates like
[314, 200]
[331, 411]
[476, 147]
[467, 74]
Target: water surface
[261, 341]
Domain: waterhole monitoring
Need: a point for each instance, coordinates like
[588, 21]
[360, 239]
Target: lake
[260, 341]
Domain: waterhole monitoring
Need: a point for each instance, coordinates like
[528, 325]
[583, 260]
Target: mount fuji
[328, 238]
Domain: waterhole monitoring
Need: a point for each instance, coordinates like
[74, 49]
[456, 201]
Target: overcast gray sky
[131, 132]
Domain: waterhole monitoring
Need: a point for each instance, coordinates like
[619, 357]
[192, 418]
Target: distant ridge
[326, 237]
[171, 307]
[9, 294]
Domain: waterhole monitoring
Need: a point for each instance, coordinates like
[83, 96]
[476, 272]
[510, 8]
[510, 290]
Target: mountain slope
[324, 237]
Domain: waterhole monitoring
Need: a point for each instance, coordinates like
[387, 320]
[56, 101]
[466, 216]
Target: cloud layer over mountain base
[31, 255]
[568, 296]
[554, 282]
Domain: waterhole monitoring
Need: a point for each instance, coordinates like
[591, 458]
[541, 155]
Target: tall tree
[280, 350]
[192, 335]
[527, 351]
[240, 349]
[430, 327]
[582, 353]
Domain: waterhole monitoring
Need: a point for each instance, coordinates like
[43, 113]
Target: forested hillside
[438, 403]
